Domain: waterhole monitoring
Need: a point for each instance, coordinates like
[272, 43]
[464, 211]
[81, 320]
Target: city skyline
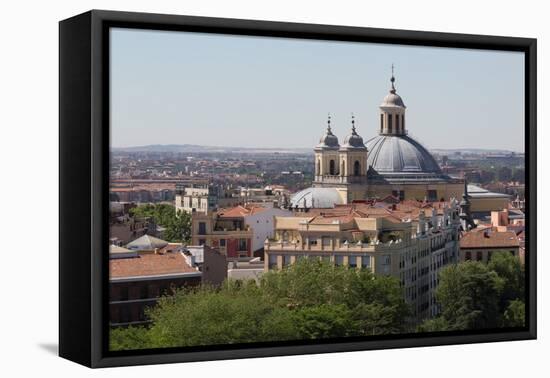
[456, 98]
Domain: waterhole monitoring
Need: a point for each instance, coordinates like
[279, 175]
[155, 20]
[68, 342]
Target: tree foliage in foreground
[474, 295]
[307, 300]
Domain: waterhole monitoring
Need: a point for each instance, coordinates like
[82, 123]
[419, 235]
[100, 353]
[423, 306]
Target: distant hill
[192, 148]
[474, 151]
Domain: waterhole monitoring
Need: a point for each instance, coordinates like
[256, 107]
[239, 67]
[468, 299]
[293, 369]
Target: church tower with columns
[392, 113]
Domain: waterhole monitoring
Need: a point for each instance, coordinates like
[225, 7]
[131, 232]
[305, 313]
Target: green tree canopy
[514, 316]
[308, 300]
[469, 295]
[509, 268]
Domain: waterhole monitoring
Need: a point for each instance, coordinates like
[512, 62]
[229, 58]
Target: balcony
[337, 179]
[279, 245]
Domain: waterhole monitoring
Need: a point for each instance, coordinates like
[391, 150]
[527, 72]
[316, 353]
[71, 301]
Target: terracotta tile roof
[330, 219]
[149, 265]
[489, 239]
[240, 211]
[394, 212]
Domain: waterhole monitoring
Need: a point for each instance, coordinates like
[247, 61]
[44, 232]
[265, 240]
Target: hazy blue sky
[191, 88]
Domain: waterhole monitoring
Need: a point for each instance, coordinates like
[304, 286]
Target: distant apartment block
[203, 197]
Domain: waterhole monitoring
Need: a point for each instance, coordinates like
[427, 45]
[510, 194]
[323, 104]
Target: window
[319, 167]
[123, 293]
[222, 242]
[243, 245]
[381, 123]
[332, 168]
[272, 261]
[202, 228]
[144, 292]
[285, 236]
[352, 261]
[390, 123]
[398, 194]
[338, 260]
[202, 241]
[432, 195]
[386, 260]
[286, 260]
[356, 168]
[365, 261]
[326, 241]
[403, 122]
[313, 242]
[468, 256]
[479, 256]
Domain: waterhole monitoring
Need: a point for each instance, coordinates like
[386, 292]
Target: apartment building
[410, 240]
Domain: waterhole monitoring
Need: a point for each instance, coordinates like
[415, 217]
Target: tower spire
[392, 80]
[353, 131]
[328, 124]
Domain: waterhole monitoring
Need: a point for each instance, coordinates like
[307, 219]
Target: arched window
[332, 168]
[356, 168]
[403, 122]
[390, 124]
[285, 236]
[382, 122]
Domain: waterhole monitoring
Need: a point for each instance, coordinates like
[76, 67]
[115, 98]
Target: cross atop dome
[392, 80]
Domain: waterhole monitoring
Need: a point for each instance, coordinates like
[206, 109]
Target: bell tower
[392, 112]
[326, 156]
[353, 164]
[353, 156]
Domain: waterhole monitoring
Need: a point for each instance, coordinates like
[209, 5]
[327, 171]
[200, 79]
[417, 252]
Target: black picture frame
[83, 180]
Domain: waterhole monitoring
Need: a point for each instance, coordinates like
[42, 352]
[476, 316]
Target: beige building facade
[410, 241]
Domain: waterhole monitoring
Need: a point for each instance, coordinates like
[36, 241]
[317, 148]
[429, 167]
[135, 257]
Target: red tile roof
[149, 264]
[489, 239]
[240, 211]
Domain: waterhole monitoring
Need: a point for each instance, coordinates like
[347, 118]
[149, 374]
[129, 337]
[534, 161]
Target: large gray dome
[400, 155]
[320, 198]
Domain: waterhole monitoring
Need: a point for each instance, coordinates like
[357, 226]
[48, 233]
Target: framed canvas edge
[99, 140]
